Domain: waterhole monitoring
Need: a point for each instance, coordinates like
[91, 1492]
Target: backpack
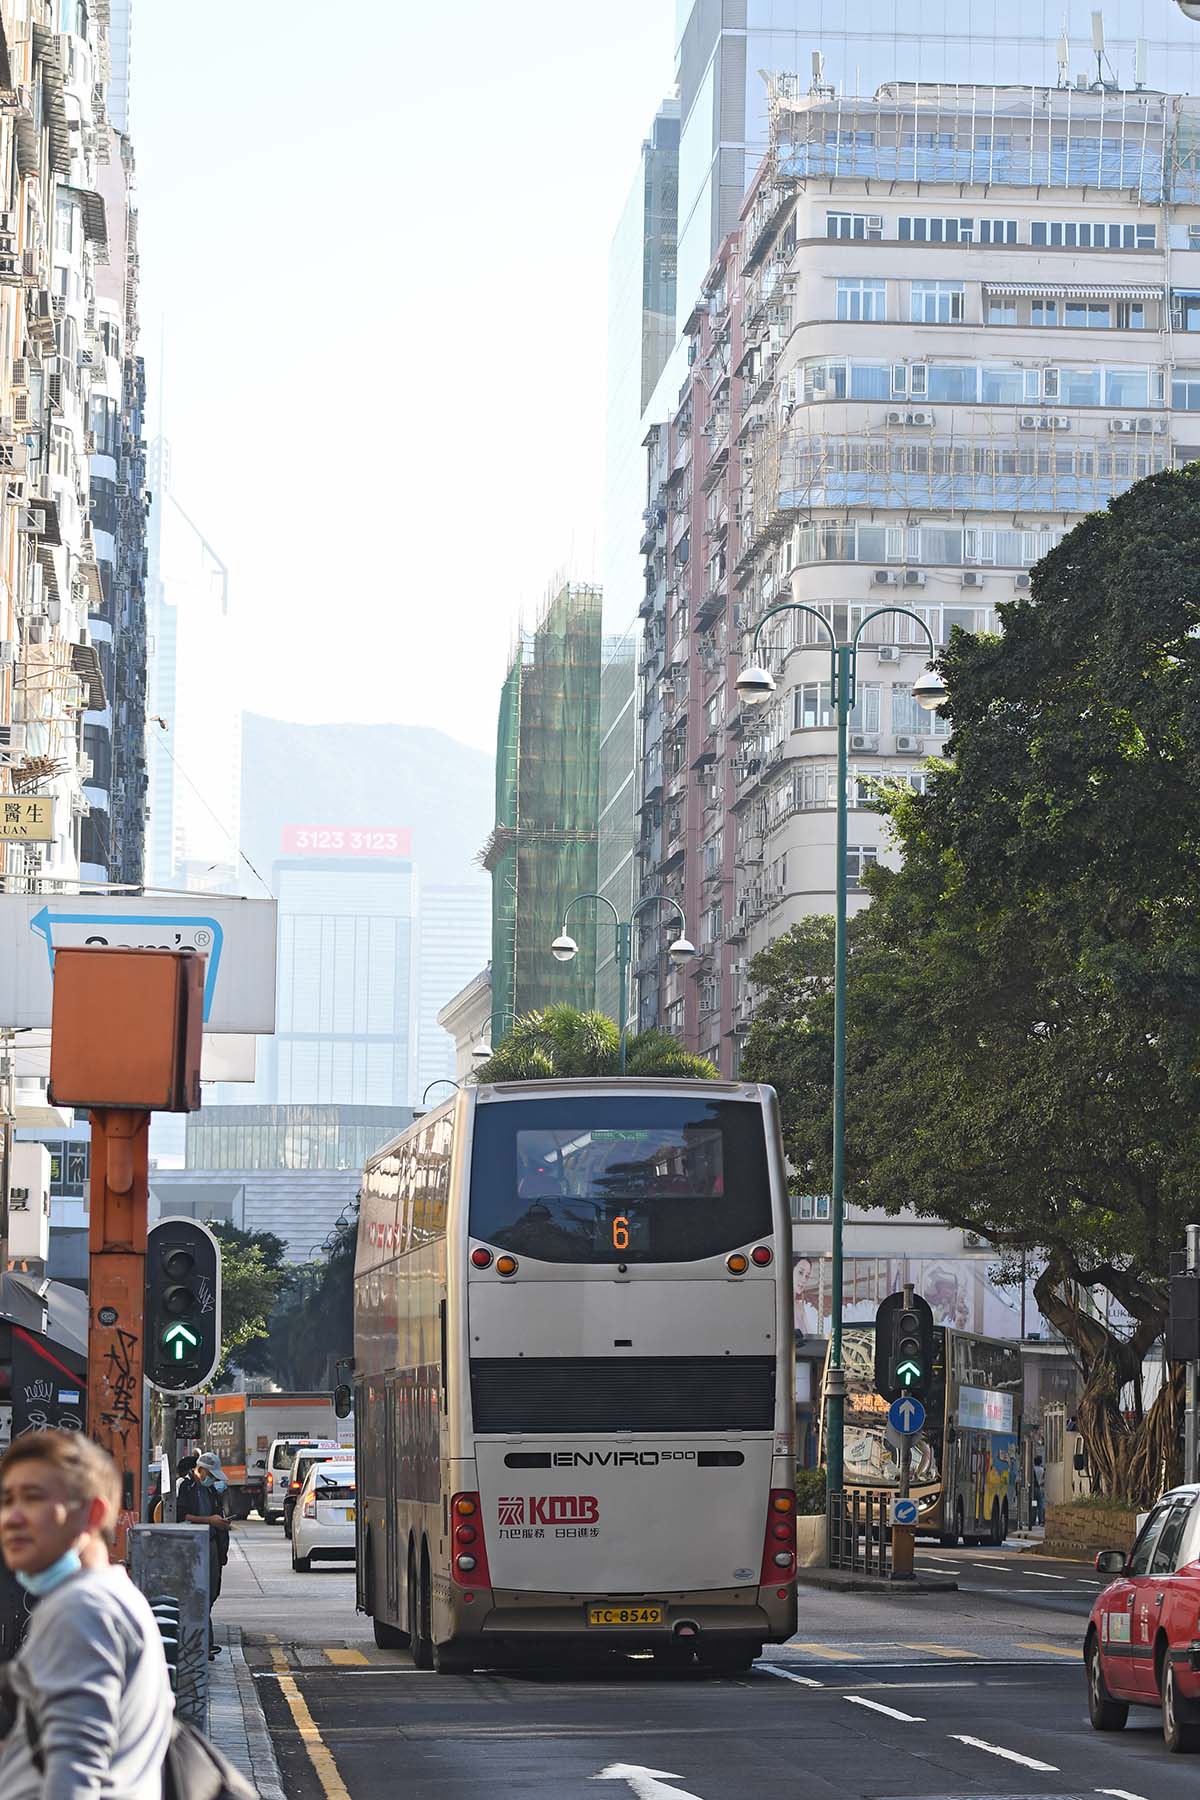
[194, 1769]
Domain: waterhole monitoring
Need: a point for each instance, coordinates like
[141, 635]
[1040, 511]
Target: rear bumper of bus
[518, 1617]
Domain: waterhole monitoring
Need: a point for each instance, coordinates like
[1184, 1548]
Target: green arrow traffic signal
[909, 1372]
[175, 1335]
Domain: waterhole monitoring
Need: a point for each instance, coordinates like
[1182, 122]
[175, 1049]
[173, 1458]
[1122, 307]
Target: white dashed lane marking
[889, 1712]
[1026, 1762]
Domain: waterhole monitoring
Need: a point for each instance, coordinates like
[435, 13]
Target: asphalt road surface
[977, 1694]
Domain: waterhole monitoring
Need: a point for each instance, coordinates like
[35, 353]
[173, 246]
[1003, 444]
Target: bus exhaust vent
[630, 1393]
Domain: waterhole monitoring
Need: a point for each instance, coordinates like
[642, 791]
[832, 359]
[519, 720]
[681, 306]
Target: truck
[241, 1428]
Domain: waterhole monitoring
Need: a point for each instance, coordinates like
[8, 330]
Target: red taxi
[1143, 1637]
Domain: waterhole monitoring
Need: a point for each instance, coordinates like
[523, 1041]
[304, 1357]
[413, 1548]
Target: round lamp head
[755, 684]
[481, 1052]
[929, 690]
[682, 950]
[563, 948]
[1190, 9]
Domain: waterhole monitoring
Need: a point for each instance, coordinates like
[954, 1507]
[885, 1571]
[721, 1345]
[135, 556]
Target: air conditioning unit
[8, 653]
[888, 653]
[1122, 424]
[122, 488]
[12, 740]
[895, 418]
[22, 409]
[914, 578]
[20, 372]
[908, 746]
[874, 221]
[1021, 581]
[37, 628]
[859, 740]
[885, 578]
[32, 519]
[918, 418]
[1029, 421]
[1061, 422]
[972, 578]
[1143, 424]
[1046, 423]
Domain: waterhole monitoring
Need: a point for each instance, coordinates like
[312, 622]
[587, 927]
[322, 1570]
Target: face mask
[46, 1580]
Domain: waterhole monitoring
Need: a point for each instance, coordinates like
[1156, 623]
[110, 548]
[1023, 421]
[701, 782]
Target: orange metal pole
[116, 1292]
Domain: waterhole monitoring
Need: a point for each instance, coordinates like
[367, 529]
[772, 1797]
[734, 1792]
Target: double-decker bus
[964, 1464]
[574, 1375]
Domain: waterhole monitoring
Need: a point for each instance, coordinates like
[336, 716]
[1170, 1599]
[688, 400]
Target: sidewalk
[236, 1724]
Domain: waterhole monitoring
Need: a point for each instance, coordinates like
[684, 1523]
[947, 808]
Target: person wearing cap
[199, 1502]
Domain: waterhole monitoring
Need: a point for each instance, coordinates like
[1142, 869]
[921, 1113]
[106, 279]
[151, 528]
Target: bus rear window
[608, 1180]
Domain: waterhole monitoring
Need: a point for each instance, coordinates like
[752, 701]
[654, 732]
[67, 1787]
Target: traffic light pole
[116, 1291]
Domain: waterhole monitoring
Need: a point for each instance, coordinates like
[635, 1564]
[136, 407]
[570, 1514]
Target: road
[974, 1694]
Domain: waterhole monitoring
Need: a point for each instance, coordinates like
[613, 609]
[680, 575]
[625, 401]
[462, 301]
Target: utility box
[169, 1563]
[29, 1205]
[126, 1029]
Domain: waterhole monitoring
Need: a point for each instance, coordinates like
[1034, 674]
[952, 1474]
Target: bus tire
[419, 1642]
[452, 1659]
[728, 1659]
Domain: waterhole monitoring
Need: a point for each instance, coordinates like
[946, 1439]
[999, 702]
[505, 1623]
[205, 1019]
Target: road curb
[257, 1748]
[848, 1581]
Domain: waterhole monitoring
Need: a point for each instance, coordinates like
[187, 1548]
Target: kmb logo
[549, 1509]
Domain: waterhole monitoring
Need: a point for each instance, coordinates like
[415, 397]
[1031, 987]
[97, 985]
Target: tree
[252, 1275]
[1024, 992]
[313, 1326]
[562, 1041]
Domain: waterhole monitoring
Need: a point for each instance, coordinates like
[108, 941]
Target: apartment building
[950, 323]
[72, 637]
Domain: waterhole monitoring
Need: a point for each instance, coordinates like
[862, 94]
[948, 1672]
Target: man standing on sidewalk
[199, 1502]
[91, 1681]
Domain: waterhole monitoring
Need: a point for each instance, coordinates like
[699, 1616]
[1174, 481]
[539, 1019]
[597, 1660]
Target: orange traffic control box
[126, 1028]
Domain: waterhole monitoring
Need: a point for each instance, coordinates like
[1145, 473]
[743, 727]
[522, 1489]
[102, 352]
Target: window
[1070, 234]
[1185, 312]
[1076, 387]
[1043, 312]
[1129, 315]
[936, 302]
[909, 717]
[1002, 311]
[1147, 1543]
[64, 225]
[1008, 386]
[861, 299]
[936, 231]
[1185, 390]
[859, 858]
[812, 707]
[1127, 387]
[952, 381]
[997, 231]
[1166, 1552]
[812, 1206]
[864, 714]
[1088, 315]
[868, 226]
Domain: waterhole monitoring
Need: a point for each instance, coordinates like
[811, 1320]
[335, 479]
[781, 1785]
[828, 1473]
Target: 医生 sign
[236, 937]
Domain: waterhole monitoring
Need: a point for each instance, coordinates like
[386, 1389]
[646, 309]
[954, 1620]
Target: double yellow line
[319, 1754]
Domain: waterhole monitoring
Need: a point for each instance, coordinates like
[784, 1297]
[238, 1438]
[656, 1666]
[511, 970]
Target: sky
[374, 247]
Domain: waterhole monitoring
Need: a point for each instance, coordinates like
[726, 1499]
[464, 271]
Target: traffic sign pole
[904, 1536]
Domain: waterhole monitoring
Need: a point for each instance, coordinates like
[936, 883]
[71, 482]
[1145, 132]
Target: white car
[323, 1523]
[280, 1457]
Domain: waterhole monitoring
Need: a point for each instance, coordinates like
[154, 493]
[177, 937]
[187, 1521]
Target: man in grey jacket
[91, 1674]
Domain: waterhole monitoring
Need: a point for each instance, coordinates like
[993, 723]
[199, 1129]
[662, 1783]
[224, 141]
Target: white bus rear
[604, 1342]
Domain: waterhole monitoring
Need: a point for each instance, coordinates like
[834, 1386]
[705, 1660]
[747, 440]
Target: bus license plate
[625, 1615]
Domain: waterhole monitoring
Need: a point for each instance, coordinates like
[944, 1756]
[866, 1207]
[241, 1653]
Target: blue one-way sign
[906, 1414]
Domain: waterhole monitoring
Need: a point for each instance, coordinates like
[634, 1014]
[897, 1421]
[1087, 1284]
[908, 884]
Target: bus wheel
[418, 1615]
[729, 1659]
[950, 1540]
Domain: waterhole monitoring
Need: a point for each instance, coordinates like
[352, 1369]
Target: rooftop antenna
[1098, 48]
[1139, 64]
[1064, 57]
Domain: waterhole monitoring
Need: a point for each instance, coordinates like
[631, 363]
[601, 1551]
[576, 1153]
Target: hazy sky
[374, 240]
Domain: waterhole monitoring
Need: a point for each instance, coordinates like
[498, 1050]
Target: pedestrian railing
[860, 1533]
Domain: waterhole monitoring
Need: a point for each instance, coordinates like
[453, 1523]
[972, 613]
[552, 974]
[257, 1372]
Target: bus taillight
[779, 1547]
[468, 1558]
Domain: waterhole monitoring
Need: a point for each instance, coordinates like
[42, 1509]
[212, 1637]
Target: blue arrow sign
[906, 1415]
[904, 1512]
[185, 931]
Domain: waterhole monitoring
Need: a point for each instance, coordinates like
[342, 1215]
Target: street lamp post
[681, 951]
[754, 685]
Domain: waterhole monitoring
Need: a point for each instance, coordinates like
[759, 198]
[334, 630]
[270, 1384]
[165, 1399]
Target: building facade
[454, 936]
[541, 852]
[72, 635]
[950, 323]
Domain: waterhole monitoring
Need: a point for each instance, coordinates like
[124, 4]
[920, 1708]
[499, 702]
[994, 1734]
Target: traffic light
[183, 1304]
[903, 1348]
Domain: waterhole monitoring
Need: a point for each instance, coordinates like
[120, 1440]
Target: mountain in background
[378, 775]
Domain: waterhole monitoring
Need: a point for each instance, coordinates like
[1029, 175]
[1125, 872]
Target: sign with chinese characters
[980, 1409]
[28, 816]
[346, 840]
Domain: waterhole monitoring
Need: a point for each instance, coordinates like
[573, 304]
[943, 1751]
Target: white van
[280, 1458]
